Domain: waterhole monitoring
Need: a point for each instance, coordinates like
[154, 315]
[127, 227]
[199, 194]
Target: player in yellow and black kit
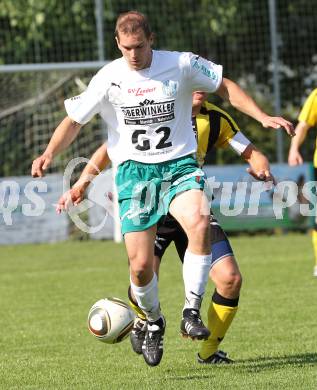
[306, 119]
[213, 128]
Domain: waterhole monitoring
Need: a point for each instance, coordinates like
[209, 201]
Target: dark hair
[132, 21]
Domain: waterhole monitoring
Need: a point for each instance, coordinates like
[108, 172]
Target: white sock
[147, 299]
[195, 274]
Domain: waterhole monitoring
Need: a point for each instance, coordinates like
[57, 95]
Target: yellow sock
[135, 307]
[220, 317]
[314, 239]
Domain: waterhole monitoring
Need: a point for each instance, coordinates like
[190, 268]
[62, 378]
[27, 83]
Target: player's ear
[151, 39]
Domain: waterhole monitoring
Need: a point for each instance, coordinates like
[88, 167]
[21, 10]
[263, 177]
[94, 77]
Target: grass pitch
[47, 290]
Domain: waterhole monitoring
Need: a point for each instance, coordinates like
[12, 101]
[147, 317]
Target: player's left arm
[229, 90]
[97, 163]
[231, 135]
[259, 166]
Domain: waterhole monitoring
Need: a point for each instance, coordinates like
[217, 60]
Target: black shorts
[168, 230]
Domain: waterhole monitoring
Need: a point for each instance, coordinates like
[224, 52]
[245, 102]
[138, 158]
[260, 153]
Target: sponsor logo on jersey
[148, 112]
[169, 88]
[146, 102]
[115, 94]
[203, 69]
[141, 91]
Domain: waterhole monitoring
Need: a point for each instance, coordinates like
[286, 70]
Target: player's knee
[140, 267]
[238, 281]
[231, 283]
[234, 282]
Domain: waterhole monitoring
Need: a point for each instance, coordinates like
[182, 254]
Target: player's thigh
[162, 242]
[190, 209]
[137, 185]
[169, 230]
[181, 243]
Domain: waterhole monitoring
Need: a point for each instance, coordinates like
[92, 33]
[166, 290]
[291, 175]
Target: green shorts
[145, 191]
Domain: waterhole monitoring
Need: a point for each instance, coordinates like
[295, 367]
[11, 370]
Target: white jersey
[148, 112]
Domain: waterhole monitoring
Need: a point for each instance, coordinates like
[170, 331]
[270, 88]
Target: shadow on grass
[275, 362]
[245, 366]
[198, 376]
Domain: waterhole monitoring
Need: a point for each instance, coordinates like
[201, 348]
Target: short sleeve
[228, 129]
[204, 75]
[308, 113]
[82, 108]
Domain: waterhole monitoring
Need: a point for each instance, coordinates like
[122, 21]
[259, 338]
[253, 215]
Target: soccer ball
[110, 320]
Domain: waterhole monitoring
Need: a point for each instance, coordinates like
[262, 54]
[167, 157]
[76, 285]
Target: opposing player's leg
[224, 302]
[191, 210]
[222, 308]
[138, 331]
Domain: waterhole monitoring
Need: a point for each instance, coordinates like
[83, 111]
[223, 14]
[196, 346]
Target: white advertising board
[27, 210]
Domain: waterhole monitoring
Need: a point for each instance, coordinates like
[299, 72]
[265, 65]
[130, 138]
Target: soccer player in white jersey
[214, 128]
[145, 98]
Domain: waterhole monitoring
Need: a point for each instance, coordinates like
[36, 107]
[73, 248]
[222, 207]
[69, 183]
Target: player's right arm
[294, 155]
[207, 76]
[238, 98]
[80, 110]
[97, 163]
[63, 136]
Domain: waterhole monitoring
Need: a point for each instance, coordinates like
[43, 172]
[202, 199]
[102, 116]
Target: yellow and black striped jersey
[213, 127]
[308, 115]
